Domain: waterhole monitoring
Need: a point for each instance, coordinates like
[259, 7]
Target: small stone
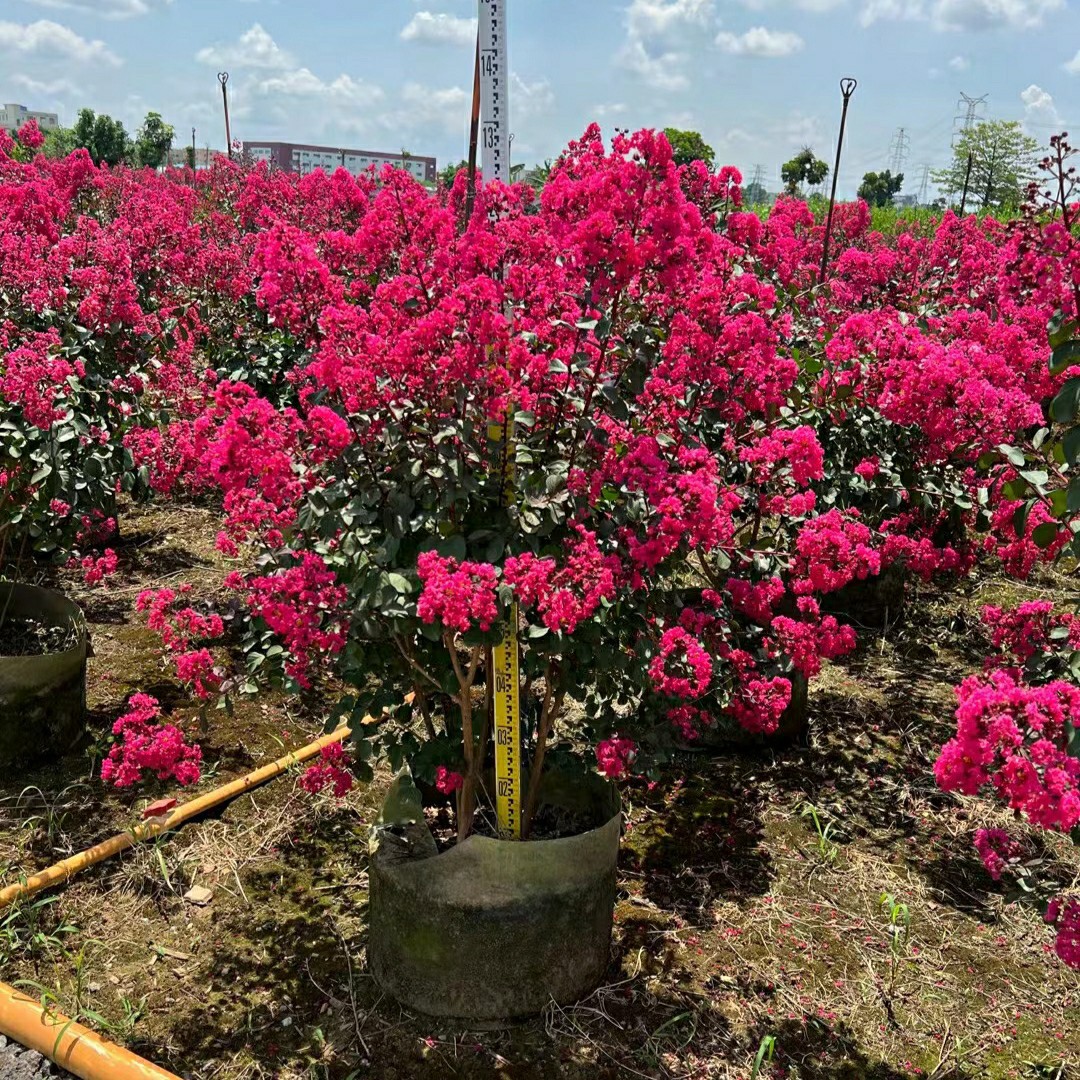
[198, 895]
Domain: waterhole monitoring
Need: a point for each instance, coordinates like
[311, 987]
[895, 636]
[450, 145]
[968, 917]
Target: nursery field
[736, 921]
[665, 618]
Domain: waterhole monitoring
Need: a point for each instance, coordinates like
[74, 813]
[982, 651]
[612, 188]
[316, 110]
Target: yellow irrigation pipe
[64, 869]
[68, 1043]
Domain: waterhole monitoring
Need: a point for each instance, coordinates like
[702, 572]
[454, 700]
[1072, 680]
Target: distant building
[204, 157]
[303, 158]
[12, 117]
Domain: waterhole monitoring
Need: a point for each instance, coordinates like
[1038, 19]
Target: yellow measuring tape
[507, 681]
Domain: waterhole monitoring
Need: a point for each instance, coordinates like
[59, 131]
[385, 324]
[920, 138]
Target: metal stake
[847, 88]
[223, 78]
[967, 179]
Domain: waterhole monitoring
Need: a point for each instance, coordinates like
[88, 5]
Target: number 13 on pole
[494, 91]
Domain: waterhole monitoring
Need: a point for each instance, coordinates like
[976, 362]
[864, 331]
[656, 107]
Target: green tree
[879, 189]
[803, 168]
[448, 175]
[688, 146]
[754, 194]
[1003, 162]
[153, 141]
[59, 142]
[104, 138]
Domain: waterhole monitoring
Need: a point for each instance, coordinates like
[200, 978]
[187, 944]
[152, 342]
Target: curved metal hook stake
[847, 88]
[223, 77]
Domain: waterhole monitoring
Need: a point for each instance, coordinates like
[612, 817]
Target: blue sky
[758, 78]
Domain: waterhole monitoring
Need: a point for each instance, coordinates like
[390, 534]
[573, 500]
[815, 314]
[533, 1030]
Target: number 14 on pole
[494, 91]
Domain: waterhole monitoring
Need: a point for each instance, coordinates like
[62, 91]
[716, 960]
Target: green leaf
[400, 583]
[1064, 356]
[1065, 406]
[1038, 477]
[1070, 444]
[1014, 454]
[1072, 506]
[1045, 534]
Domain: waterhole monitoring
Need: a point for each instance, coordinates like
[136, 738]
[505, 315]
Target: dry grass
[737, 921]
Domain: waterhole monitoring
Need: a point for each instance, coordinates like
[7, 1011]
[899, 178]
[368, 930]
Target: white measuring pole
[494, 91]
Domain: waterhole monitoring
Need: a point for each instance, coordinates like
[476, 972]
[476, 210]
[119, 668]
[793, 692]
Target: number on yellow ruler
[508, 729]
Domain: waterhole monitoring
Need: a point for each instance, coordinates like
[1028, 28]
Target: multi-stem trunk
[553, 699]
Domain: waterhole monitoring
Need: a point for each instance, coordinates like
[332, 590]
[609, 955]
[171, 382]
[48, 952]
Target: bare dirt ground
[744, 921]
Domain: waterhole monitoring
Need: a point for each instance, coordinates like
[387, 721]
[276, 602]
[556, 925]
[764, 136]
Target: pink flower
[682, 667]
[459, 595]
[448, 782]
[996, 849]
[332, 772]
[147, 745]
[614, 756]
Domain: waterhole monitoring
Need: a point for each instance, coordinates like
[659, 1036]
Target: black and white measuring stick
[494, 91]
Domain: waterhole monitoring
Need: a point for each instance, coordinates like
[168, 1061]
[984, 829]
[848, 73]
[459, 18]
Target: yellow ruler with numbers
[508, 801]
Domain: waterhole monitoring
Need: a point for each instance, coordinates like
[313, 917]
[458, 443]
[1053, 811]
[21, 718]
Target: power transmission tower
[924, 184]
[898, 151]
[968, 114]
[759, 176]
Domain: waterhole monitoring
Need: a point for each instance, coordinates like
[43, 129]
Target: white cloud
[107, 9]
[1039, 108]
[529, 99]
[51, 87]
[48, 38]
[302, 83]
[658, 18]
[1073, 66]
[657, 34]
[959, 63]
[662, 72]
[255, 48]
[618, 108]
[427, 109]
[760, 41]
[439, 28]
[963, 15]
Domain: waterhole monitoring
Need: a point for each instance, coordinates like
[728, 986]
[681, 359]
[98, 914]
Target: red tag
[156, 809]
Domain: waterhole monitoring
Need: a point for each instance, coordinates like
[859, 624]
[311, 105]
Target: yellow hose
[69, 1044]
[64, 869]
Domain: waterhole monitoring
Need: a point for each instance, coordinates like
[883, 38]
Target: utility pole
[924, 184]
[968, 107]
[901, 144]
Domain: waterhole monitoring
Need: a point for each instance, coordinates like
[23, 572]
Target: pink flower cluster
[1015, 738]
[682, 666]
[303, 606]
[460, 595]
[831, 551]
[332, 772]
[148, 746]
[566, 595]
[447, 781]
[170, 614]
[997, 850]
[1065, 915]
[614, 756]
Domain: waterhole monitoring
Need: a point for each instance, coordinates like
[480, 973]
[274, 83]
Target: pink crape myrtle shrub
[709, 446]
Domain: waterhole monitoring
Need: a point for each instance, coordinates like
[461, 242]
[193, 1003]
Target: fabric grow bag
[495, 929]
[42, 698]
